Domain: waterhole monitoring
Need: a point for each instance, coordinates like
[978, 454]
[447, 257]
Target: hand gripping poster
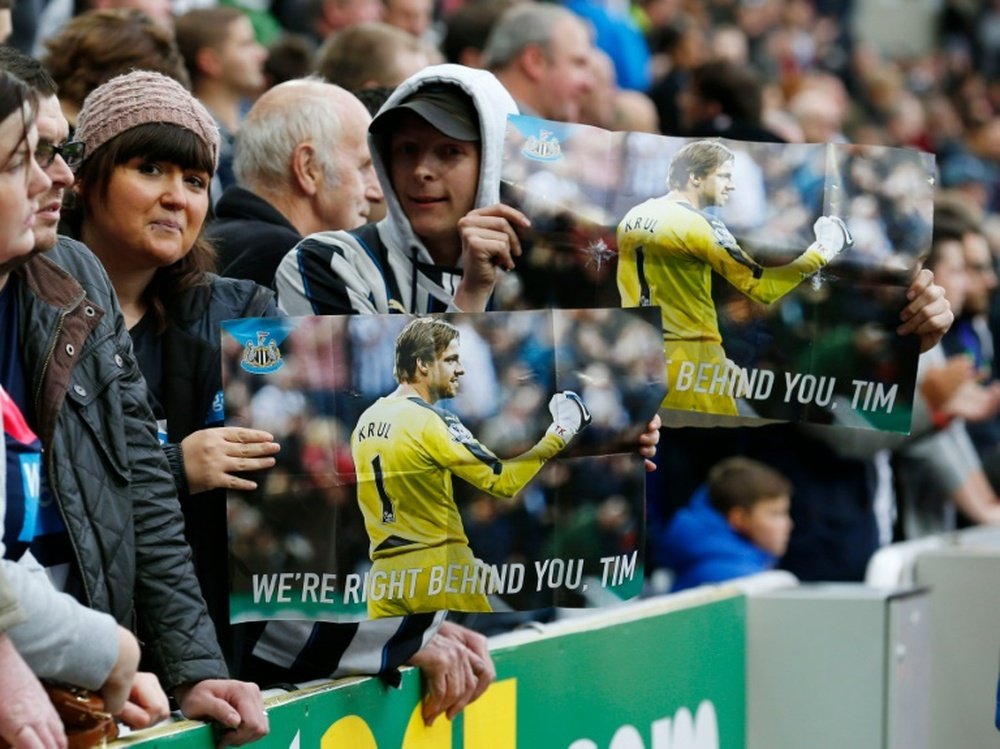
[468, 462]
[779, 270]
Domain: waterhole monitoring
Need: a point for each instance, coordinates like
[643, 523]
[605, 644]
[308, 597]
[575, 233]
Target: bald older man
[302, 165]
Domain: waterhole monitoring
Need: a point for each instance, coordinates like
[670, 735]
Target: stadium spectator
[98, 45]
[541, 54]
[334, 15]
[302, 166]
[290, 56]
[436, 223]
[411, 16]
[55, 15]
[598, 106]
[736, 524]
[618, 35]
[938, 468]
[468, 28]
[682, 46]
[142, 195]
[372, 55]
[27, 717]
[634, 112]
[613, 108]
[819, 114]
[40, 624]
[724, 99]
[53, 133]
[226, 67]
[971, 336]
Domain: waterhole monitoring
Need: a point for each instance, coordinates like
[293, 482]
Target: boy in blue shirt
[736, 524]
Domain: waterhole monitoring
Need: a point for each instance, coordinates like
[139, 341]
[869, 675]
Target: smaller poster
[469, 462]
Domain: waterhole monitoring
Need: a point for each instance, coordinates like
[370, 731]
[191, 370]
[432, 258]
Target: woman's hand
[212, 456]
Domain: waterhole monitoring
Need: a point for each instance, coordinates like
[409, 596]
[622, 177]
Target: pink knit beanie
[139, 98]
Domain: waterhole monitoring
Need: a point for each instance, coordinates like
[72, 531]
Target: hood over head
[431, 93]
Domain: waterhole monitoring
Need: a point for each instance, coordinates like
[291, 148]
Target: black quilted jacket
[105, 466]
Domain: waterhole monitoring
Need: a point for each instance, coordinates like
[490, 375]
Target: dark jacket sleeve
[175, 457]
[173, 622]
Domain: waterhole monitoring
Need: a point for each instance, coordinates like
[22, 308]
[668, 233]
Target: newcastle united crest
[261, 357]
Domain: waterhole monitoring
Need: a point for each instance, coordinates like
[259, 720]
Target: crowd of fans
[103, 348]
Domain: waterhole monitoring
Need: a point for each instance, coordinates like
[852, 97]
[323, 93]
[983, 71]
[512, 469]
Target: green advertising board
[654, 675]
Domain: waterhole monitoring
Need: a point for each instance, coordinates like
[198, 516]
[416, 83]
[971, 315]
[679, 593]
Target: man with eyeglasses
[71, 151]
[55, 154]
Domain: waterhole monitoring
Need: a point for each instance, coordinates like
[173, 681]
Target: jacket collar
[51, 283]
[240, 203]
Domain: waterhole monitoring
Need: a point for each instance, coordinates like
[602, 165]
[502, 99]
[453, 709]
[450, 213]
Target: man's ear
[207, 61]
[533, 61]
[306, 168]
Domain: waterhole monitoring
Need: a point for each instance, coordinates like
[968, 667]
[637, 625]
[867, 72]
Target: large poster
[471, 462]
[780, 270]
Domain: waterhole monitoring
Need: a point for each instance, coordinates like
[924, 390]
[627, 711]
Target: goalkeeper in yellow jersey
[667, 250]
[405, 452]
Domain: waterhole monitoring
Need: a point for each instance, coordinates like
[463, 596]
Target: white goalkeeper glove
[569, 415]
[832, 236]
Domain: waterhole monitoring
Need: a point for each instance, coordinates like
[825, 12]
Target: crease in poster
[468, 462]
[779, 270]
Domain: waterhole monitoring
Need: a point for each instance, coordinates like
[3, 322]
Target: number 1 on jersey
[645, 298]
[388, 511]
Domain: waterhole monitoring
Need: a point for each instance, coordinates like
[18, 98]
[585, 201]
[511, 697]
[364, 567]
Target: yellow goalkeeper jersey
[667, 250]
[405, 452]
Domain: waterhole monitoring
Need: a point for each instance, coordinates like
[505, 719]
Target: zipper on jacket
[48, 459]
[48, 359]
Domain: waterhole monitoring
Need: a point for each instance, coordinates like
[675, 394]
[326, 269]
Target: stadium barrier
[667, 673]
[858, 662]
[961, 571]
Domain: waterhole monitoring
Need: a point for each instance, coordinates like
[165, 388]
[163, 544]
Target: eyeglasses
[72, 152]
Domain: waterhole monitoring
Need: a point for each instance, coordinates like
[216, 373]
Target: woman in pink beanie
[142, 197]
